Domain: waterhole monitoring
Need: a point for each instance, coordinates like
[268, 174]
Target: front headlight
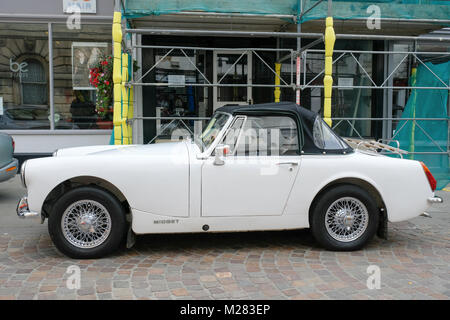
[22, 173]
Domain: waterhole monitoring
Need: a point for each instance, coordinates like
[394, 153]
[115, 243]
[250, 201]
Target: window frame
[208, 152]
[44, 66]
[319, 120]
[49, 38]
[235, 119]
[265, 114]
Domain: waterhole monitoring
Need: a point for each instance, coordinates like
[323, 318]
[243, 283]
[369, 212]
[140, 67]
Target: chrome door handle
[289, 163]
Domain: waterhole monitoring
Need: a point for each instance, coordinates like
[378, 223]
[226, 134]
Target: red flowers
[100, 76]
[94, 77]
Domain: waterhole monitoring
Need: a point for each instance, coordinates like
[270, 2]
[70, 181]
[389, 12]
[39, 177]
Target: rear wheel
[345, 218]
[87, 222]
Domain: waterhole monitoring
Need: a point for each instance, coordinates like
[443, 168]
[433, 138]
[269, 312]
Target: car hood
[168, 148]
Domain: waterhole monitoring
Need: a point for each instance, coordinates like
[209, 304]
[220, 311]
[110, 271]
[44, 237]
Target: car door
[256, 177]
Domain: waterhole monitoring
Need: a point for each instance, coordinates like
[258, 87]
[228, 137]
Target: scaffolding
[297, 79]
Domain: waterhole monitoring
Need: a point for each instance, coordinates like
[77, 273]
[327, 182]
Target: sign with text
[84, 6]
[176, 80]
[345, 82]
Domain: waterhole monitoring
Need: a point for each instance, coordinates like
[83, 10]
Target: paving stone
[122, 293]
[86, 291]
[105, 296]
[121, 284]
[141, 293]
[47, 288]
[180, 292]
[65, 291]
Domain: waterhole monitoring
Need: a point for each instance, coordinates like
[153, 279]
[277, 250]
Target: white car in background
[260, 167]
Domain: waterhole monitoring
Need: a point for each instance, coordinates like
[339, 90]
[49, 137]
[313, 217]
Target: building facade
[46, 49]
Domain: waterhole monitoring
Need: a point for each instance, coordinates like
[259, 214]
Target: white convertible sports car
[260, 167]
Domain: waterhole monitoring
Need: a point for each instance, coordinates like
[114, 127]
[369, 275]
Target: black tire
[117, 221]
[318, 214]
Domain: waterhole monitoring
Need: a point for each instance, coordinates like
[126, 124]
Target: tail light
[13, 145]
[431, 179]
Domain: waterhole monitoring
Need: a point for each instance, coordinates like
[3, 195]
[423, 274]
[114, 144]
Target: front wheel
[87, 222]
[345, 218]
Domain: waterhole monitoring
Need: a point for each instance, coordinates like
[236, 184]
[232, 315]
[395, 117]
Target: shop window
[34, 83]
[76, 54]
[24, 86]
[24, 74]
[177, 98]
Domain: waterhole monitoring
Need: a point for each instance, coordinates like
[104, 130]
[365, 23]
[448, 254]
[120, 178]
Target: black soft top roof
[291, 107]
[304, 116]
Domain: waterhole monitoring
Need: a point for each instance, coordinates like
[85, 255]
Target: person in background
[83, 111]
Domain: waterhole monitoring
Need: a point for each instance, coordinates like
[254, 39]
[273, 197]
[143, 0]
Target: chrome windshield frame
[208, 151]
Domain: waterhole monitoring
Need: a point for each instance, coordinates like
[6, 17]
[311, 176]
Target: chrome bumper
[23, 211]
[435, 199]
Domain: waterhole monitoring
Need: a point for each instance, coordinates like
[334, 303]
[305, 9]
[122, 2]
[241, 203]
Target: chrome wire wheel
[346, 219]
[86, 224]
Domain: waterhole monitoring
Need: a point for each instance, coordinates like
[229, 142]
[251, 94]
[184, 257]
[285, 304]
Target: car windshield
[213, 129]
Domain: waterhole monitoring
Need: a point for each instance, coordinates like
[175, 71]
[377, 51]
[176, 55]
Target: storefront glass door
[232, 67]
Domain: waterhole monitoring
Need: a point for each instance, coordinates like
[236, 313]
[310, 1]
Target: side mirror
[220, 151]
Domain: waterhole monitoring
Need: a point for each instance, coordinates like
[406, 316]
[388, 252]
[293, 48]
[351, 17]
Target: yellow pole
[277, 92]
[117, 77]
[330, 39]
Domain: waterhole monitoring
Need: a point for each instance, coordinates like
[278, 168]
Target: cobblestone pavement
[414, 263]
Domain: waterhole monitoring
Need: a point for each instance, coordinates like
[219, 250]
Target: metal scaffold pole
[265, 34]
[299, 46]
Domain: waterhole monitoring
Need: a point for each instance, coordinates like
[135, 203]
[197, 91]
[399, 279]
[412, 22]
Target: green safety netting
[427, 135]
[342, 9]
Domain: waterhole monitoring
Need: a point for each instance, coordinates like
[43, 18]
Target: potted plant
[100, 76]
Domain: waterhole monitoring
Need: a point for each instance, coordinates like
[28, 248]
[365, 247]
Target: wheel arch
[76, 182]
[363, 184]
